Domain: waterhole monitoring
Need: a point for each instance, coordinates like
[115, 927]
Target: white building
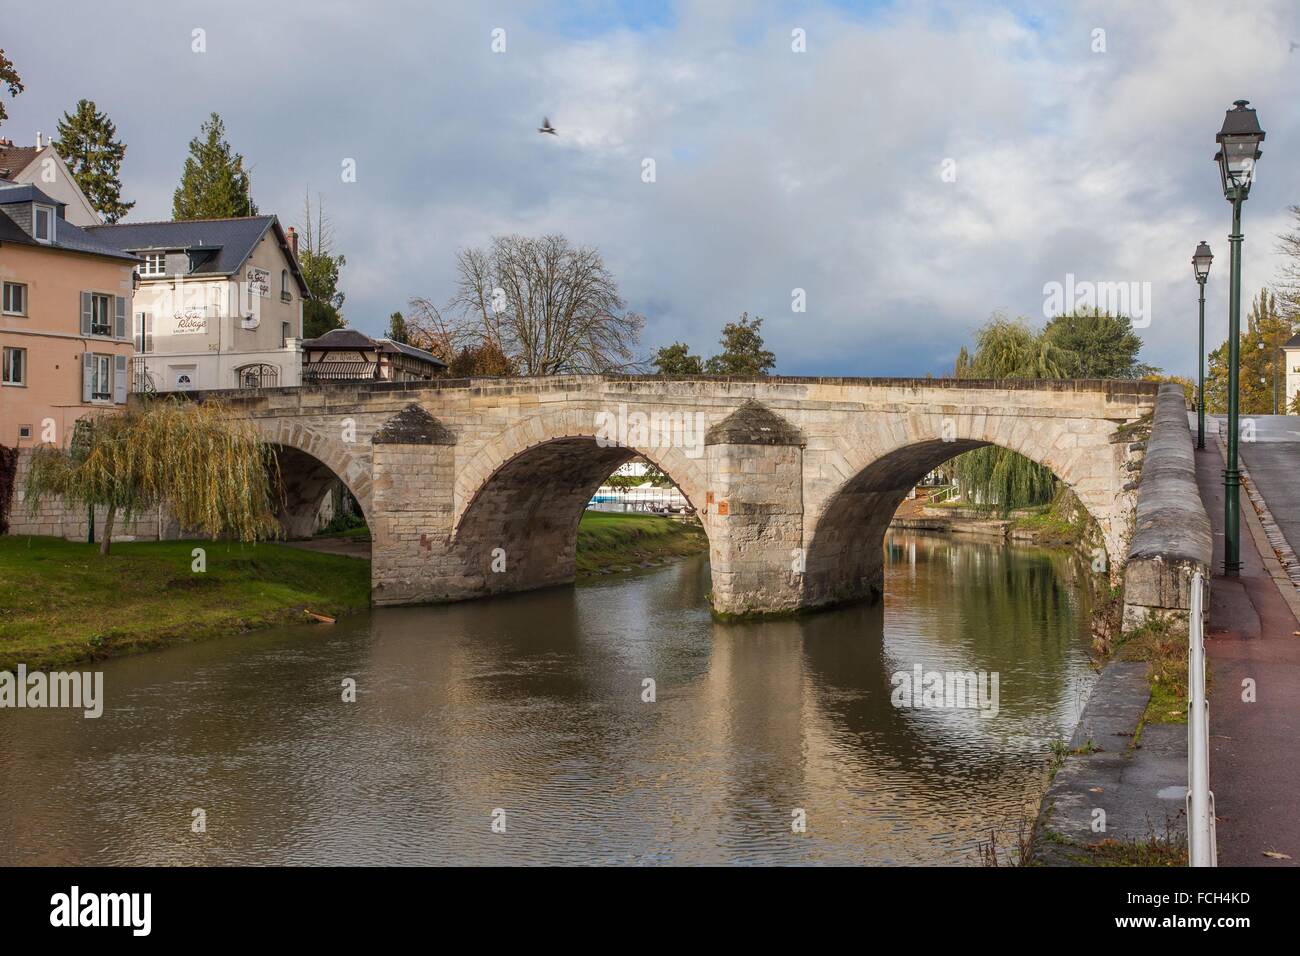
[217, 304]
[1291, 356]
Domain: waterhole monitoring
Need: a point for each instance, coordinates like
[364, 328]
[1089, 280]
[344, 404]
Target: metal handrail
[1202, 850]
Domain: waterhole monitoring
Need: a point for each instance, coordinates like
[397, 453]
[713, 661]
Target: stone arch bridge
[476, 487]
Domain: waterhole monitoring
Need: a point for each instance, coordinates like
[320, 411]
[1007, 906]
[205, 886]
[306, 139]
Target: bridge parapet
[1171, 538]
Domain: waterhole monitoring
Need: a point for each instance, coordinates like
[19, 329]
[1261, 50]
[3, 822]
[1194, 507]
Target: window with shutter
[119, 379]
[119, 317]
[87, 375]
[87, 313]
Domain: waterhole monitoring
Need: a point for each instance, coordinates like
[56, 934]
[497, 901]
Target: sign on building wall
[259, 281]
[190, 321]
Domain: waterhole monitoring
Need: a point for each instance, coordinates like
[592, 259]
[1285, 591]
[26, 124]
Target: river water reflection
[533, 704]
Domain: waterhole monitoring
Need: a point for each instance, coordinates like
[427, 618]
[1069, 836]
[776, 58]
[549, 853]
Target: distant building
[42, 167]
[65, 340]
[1291, 353]
[348, 355]
[218, 303]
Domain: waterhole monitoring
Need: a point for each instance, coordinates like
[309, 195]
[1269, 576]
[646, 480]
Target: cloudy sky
[829, 170]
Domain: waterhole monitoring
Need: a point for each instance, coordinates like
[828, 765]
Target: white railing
[1200, 799]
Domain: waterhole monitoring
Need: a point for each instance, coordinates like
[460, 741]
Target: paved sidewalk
[1254, 747]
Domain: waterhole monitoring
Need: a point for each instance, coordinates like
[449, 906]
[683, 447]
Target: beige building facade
[218, 303]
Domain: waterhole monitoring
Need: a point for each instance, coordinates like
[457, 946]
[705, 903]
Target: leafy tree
[9, 79]
[397, 330]
[1188, 386]
[548, 307]
[1288, 287]
[676, 359]
[88, 144]
[214, 183]
[213, 472]
[475, 361]
[993, 477]
[320, 267]
[1265, 332]
[1096, 345]
[742, 350]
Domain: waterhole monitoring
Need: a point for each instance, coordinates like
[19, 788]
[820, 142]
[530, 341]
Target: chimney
[38, 140]
[292, 238]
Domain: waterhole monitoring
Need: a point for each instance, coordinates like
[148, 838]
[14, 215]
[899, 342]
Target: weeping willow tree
[215, 474]
[998, 478]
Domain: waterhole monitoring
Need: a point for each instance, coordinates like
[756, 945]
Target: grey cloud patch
[775, 170]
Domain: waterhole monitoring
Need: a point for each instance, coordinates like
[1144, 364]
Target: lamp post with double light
[1238, 153]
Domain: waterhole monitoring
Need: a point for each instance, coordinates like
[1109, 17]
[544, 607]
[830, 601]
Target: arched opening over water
[520, 526]
[845, 557]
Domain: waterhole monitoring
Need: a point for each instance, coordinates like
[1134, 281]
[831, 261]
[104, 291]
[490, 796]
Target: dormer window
[42, 223]
[155, 264]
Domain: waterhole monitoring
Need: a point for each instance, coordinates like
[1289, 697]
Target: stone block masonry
[1171, 537]
[476, 487]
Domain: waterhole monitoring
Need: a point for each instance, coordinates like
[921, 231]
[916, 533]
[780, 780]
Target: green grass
[609, 540]
[62, 603]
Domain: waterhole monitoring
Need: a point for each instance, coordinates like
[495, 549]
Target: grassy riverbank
[62, 603]
[609, 541]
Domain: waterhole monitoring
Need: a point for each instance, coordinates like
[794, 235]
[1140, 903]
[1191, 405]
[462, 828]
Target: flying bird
[546, 127]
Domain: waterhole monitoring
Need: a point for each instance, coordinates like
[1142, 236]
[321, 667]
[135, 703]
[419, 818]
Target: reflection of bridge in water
[794, 479]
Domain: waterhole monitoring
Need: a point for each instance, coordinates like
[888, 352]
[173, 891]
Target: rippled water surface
[533, 704]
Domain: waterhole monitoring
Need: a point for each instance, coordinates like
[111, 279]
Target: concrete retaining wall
[1171, 537]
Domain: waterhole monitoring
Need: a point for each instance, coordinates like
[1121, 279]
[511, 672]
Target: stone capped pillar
[754, 510]
[413, 476]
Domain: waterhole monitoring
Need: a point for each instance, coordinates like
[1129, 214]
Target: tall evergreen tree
[214, 183]
[88, 144]
[397, 330]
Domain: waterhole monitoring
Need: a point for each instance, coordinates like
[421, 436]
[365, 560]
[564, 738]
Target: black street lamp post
[1238, 141]
[1201, 268]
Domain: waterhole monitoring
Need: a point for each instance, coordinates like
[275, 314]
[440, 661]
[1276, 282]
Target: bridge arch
[524, 493]
[683, 466]
[309, 462]
[845, 530]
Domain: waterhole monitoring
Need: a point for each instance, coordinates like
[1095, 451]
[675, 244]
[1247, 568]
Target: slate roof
[66, 236]
[25, 192]
[220, 246]
[411, 350]
[350, 340]
[1293, 342]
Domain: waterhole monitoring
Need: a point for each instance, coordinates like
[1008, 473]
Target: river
[527, 711]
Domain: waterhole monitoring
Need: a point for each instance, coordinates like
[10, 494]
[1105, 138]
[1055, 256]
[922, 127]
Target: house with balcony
[217, 303]
[348, 355]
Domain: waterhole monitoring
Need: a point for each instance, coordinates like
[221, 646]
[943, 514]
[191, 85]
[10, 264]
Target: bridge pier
[753, 512]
